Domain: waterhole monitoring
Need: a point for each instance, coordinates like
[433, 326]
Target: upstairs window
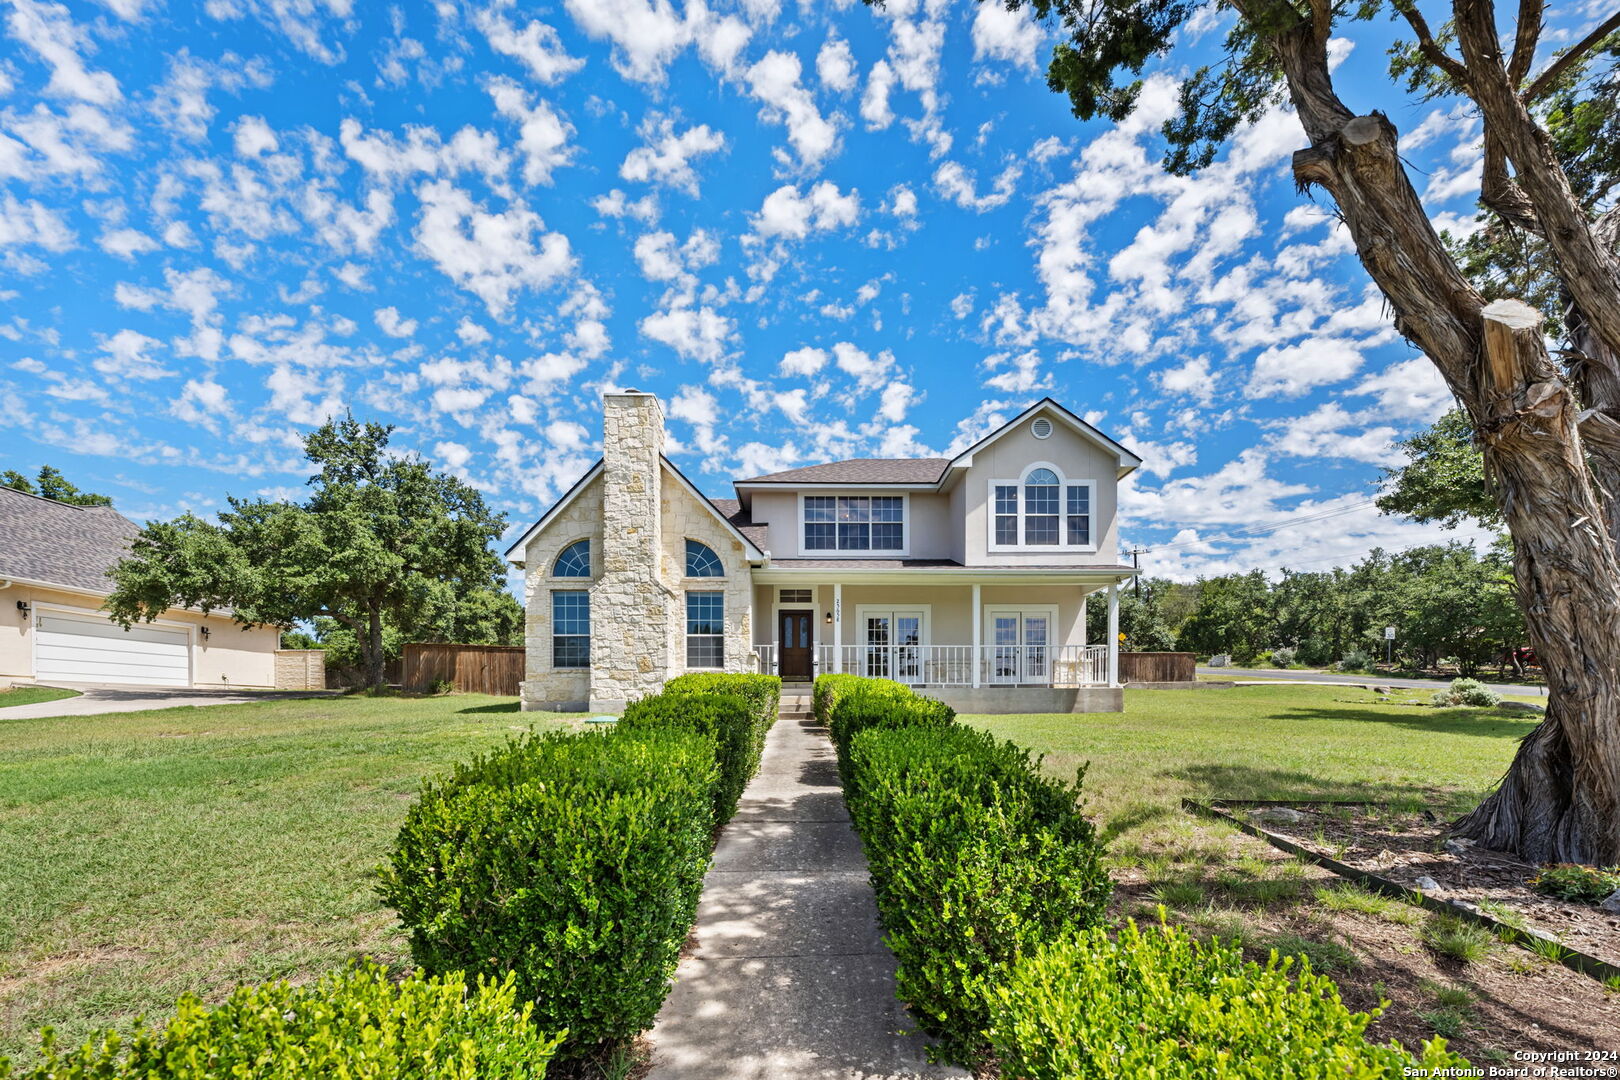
[1040, 510]
[575, 560]
[854, 523]
[701, 561]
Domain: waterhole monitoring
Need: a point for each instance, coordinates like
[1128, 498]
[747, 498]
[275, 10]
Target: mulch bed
[1404, 845]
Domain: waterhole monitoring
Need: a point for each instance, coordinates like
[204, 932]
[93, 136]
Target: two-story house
[968, 576]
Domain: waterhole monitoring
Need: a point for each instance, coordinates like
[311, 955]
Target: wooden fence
[472, 669]
[1157, 667]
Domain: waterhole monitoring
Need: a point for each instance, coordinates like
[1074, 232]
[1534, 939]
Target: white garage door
[91, 648]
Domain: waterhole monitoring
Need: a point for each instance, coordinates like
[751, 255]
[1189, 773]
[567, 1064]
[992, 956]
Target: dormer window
[858, 523]
[1042, 510]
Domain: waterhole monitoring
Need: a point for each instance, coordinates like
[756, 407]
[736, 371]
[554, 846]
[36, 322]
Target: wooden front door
[793, 630]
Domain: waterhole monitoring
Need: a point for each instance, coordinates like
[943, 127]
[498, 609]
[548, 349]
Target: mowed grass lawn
[147, 854]
[1271, 742]
[28, 695]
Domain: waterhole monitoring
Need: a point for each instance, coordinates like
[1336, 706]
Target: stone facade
[545, 687]
[638, 515]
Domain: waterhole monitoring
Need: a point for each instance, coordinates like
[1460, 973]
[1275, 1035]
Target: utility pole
[1136, 562]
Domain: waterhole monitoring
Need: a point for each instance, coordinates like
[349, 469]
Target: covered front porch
[989, 637]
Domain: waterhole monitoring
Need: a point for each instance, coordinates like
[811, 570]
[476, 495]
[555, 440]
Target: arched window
[575, 560]
[1041, 507]
[701, 561]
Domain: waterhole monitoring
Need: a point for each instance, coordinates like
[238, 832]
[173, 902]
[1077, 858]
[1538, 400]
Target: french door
[892, 645]
[1020, 647]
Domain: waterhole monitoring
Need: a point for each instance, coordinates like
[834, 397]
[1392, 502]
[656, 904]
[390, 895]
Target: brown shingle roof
[733, 512]
[861, 471]
[75, 546]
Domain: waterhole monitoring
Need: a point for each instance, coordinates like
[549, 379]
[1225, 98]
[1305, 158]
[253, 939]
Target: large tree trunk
[376, 673]
[1561, 797]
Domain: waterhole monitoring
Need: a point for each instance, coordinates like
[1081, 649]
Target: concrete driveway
[95, 699]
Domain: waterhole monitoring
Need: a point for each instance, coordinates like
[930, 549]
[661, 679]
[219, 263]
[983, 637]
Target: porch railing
[954, 665]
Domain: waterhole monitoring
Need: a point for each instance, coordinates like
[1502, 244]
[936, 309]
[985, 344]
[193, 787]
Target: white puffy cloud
[393, 324]
[34, 224]
[471, 333]
[48, 30]
[1006, 36]
[128, 354]
[1017, 373]
[536, 45]
[1322, 433]
[958, 184]
[491, 255]
[835, 65]
[787, 213]
[126, 243]
[1290, 370]
[694, 331]
[254, 137]
[1191, 380]
[665, 157]
[1410, 389]
[805, 361]
[868, 371]
[875, 109]
[543, 135]
[774, 81]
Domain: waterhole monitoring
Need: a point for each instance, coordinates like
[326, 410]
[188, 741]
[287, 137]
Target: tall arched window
[1041, 507]
[575, 560]
[701, 561]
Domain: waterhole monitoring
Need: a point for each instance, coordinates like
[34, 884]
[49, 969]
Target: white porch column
[838, 626]
[1113, 635]
[1083, 629]
[978, 633]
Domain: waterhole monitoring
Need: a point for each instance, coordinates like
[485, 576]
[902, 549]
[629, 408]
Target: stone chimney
[631, 610]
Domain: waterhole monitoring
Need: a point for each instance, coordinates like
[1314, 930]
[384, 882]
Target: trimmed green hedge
[849, 704]
[356, 1023]
[575, 861]
[1160, 1004]
[726, 718]
[738, 710]
[976, 858]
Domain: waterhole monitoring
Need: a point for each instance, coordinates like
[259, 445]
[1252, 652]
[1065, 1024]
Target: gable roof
[55, 543]
[1128, 459]
[888, 471]
[751, 538]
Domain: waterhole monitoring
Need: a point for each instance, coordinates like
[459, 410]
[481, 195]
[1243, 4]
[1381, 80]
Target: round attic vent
[1041, 428]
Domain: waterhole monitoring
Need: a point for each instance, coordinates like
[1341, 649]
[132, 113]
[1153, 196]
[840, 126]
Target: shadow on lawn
[1481, 723]
[1249, 782]
[503, 707]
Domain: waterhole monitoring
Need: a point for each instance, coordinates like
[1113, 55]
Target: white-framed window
[1041, 511]
[573, 561]
[701, 561]
[570, 628]
[705, 630]
[861, 524]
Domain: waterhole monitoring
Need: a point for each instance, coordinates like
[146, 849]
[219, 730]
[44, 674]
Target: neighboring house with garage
[967, 576]
[54, 559]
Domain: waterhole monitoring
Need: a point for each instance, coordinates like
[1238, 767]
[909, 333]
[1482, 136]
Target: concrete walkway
[94, 700]
[789, 978]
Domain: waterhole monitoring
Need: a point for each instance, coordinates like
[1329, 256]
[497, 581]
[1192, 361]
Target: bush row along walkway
[789, 978]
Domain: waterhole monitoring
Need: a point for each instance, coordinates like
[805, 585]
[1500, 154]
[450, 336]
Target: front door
[893, 645]
[793, 630]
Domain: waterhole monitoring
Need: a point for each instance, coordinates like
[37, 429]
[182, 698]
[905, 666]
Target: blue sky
[816, 230]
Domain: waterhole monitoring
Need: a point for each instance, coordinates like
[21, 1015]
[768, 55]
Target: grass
[1325, 957]
[1348, 896]
[152, 853]
[28, 695]
[1456, 938]
[1268, 742]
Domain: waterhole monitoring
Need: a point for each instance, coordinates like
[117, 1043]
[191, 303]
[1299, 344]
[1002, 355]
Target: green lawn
[27, 695]
[1271, 742]
[147, 854]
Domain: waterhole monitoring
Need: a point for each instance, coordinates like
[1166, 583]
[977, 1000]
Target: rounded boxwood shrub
[976, 859]
[726, 718]
[575, 861]
[355, 1023]
[1158, 1003]
[1470, 692]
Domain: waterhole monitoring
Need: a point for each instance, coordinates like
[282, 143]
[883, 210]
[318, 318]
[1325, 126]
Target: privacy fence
[472, 669]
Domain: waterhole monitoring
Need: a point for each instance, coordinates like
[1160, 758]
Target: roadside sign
[1389, 633]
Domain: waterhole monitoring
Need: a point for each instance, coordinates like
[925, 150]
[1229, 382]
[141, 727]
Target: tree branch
[1524, 41]
[1500, 194]
[1430, 48]
[1556, 70]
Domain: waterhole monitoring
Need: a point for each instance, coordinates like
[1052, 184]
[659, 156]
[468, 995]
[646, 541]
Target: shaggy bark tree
[1551, 440]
